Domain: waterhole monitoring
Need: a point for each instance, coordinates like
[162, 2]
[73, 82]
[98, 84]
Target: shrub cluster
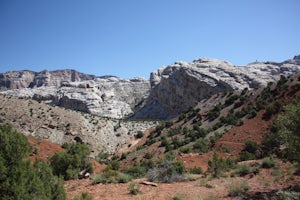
[167, 171]
[68, 164]
[19, 179]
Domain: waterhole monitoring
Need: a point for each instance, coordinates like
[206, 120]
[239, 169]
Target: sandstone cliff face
[181, 85]
[29, 79]
[171, 89]
[107, 96]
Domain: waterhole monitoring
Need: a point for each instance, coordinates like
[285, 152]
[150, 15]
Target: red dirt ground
[252, 129]
[265, 181]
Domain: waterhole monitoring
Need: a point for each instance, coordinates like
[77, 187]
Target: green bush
[214, 113]
[185, 150]
[245, 155]
[243, 170]
[68, 164]
[237, 189]
[196, 170]
[19, 179]
[167, 171]
[111, 176]
[139, 134]
[134, 188]
[268, 163]
[102, 157]
[251, 146]
[83, 196]
[136, 171]
[217, 165]
[201, 145]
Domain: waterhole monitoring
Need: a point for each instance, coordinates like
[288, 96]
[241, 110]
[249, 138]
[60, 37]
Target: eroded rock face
[181, 85]
[104, 96]
[30, 79]
[170, 91]
[61, 126]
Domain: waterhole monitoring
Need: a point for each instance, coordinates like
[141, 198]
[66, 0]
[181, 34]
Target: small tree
[70, 163]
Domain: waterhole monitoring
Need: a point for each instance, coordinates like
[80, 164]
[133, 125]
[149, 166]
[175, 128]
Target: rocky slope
[104, 96]
[181, 85]
[59, 125]
[30, 79]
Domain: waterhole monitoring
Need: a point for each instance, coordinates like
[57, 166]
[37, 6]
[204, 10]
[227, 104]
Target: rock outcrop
[30, 79]
[104, 96]
[170, 91]
[61, 125]
[181, 85]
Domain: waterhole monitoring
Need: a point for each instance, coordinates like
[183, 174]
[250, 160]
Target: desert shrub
[217, 165]
[102, 157]
[173, 132]
[114, 165]
[139, 134]
[231, 100]
[201, 145]
[83, 196]
[148, 155]
[19, 179]
[214, 113]
[176, 142]
[167, 171]
[134, 188]
[268, 163]
[123, 156]
[68, 164]
[136, 171]
[111, 176]
[251, 146]
[251, 114]
[185, 150]
[245, 155]
[243, 170]
[196, 170]
[288, 124]
[237, 189]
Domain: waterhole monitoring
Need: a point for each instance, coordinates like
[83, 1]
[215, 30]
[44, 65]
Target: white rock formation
[109, 97]
[182, 84]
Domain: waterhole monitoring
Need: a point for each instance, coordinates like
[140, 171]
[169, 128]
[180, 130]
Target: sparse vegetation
[83, 196]
[167, 171]
[237, 189]
[134, 188]
[268, 163]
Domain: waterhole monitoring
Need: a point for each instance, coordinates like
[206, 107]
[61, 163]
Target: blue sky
[134, 37]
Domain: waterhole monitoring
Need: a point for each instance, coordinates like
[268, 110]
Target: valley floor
[267, 181]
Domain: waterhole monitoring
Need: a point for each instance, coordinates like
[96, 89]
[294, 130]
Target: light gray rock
[109, 96]
[30, 79]
[182, 84]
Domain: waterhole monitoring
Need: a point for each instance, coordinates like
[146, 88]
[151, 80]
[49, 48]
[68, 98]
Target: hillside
[229, 129]
[223, 134]
[60, 125]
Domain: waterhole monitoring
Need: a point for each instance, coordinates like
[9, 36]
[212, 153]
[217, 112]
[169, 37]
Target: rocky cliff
[104, 96]
[61, 125]
[181, 85]
[30, 79]
[170, 90]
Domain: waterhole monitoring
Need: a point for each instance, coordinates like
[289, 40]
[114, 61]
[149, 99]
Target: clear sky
[129, 38]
